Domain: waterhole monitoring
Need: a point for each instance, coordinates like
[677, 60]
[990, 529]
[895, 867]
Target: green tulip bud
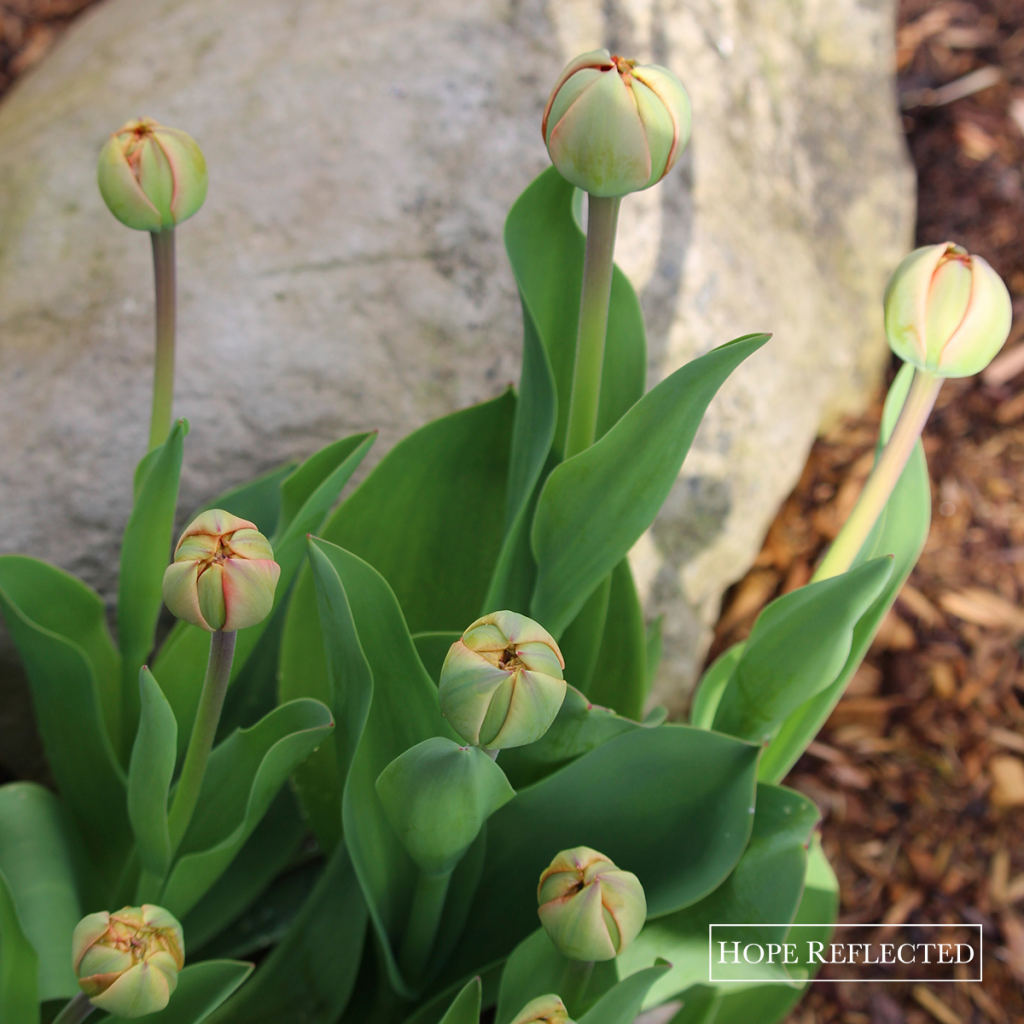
[543, 1010]
[590, 909]
[223, 575]
[946, 311]
[613, 126]
[152, 177]
[127, 963]
[437, 795]
[501, 684]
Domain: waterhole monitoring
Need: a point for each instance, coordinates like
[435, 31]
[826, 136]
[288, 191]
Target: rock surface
[348, 269]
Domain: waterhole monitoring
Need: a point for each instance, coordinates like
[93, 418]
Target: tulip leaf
[150, 774]
[266, 853]
[145, 552]
[310, 974]
[902, 534]
[258, 500]
[620, 678]
[580, 644]
[437, 796]
[465, 1009]
[306, 496]
[242, 778]
[712, 685]
[536, 968]
[595, 506]
[647, 791]
[578, 728]
[19, 965]
[201, 989]
[621, 1004]
[797, 648]
[654, 645]
[777, 850]
[433, 649]
[36, 859]
[58, 625]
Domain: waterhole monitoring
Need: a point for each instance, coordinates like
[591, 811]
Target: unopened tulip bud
[946, 311]
[223, 575]
[543, 1010]
[501, 684]
[127, 963]
[152, 177]
[613, 126]
[590, 909]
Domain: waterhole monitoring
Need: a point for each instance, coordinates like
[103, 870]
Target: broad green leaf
[403, 711]
[266, 853]
[19, 965]
[621, 1004]
[242, 778]
[145, 552]
[777, 852]
[433, 649]
[902, 534]
[310, 975]
[620, 676]
[306, 497]
[258, 500]
[201, 989]
[712, 686]
[634, 797]
[149, 775]
[37, 861]
[596, 505]
[654, 643]
[580, 644]
[578, 728]
[466, 1007]
[57, 624]
[536, 968]
[797, 647]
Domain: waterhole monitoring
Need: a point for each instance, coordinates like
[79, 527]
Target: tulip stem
[602, 219]
[204, 730]
[574, 987]
[424, 921]
[924, 389]
[163, 371]
[75, 1010]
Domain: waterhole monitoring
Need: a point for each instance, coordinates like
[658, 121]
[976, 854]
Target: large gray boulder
[348, 271]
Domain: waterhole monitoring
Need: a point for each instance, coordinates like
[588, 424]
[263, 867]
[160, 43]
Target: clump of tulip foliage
[398, 751]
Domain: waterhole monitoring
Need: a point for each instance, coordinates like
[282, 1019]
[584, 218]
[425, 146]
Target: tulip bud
[152, 177]
[223, 575]
[501, 684]
[946, 311]
[127, 963]
[590, 909]
[613, 126]
[543, 1010]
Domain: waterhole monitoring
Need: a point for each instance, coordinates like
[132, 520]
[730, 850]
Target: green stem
[602, 219]
[574, 987]
[924, 389]
[163, 373]
[204, 729]
[75, 1010]
[424, 921]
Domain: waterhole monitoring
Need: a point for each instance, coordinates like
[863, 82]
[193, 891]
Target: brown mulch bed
[920, 771]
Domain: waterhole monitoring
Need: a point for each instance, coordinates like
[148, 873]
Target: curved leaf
[306, 496]
[621, 1005]
[797, 647]
[150, 774]
[596, 505]
[36, 858]
[201, 989]
[58, 626]
[433, 649]
[19, 965]
[310, 974]
[466, 1007]
[242, 778]
[712, 686]
[636, 796]
[145, 552]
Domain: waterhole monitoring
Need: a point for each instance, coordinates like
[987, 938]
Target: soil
[919, 773]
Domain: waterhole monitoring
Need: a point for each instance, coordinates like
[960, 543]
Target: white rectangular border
[827, 981]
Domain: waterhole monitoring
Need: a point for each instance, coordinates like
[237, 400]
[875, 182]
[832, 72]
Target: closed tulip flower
[946, 311]
[547, 1009]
